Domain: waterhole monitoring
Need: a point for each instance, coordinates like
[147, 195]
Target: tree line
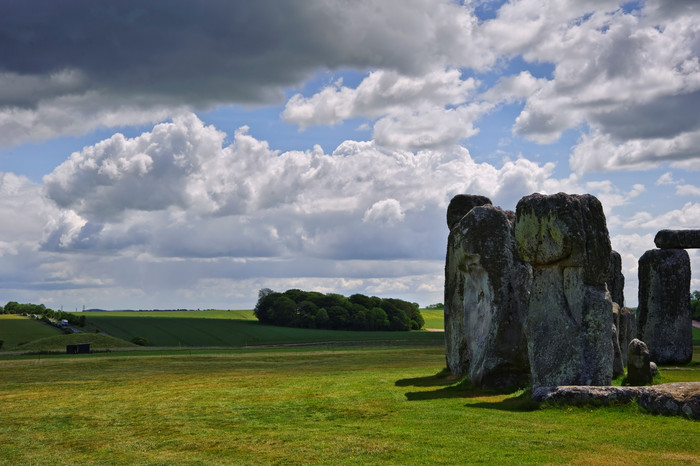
[311, 309]
[43, 312]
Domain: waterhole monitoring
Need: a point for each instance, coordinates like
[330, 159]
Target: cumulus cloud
[178, 190]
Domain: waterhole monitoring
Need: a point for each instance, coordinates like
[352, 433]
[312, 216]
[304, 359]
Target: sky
[184, 155]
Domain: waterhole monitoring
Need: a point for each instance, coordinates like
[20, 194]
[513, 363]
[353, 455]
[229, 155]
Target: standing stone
[638, 364]
[494, 298]
[677, 239]
[664, 313]
[456, 353]
[618, 367]
[627, 330]
[616, 281]
[565, 239]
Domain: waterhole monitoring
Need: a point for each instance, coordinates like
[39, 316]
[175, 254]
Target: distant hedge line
[311, 309]
[46, 313]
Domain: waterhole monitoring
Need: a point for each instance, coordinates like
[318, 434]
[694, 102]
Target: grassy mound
[59, 342]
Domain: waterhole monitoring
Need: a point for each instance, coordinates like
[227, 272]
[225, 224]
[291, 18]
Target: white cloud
[381, 92]
[387, 211]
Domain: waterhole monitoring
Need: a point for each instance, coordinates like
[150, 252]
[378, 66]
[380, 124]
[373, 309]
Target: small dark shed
[79, 348]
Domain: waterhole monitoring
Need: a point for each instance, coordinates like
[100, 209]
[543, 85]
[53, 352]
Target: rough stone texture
[456, 353]
[565, 239]
[664, 314]
[627, 330]
[461, 205]
[495, 285]
[618, 366]
[677, 239]
[638, 364]
[671, 399]
[616, 281]
[579, 395]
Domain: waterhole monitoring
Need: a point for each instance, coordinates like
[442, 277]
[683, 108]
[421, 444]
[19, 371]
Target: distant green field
[434, 318]
[19, 329]
[230, 329]
[696, 336]
[58, 342]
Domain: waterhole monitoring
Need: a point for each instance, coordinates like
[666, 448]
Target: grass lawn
[352, 406]
[15, 330]
[229, 329]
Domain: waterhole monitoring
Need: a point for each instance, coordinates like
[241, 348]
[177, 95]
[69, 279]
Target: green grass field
[434, 318]
[352, 406]
[18, 329]
[230, 329]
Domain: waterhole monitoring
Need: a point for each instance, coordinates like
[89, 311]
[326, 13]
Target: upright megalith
[664, 318]
[456, 353]
[569, 320]
[494, 295]
[616, 281]
[677, 239]
[627, 330]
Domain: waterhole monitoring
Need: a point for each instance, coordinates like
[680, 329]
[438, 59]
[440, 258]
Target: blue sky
[185, 155]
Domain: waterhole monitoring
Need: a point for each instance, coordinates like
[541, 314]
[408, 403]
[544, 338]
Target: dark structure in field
[78, 348]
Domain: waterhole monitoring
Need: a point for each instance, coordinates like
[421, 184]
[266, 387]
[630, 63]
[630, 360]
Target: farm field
[18, 329]
[350, 406]
[230, 329]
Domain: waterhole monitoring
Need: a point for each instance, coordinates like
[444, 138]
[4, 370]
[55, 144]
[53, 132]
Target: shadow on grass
[452, 387]
[444, 377]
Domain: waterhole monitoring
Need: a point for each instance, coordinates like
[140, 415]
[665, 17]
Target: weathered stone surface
[677, 239]
[580, 395]
[567, 230]
[627, 330]
[616, 281]
[461, 205]
[664, 316]
[676, 399]
[569, 319]
[618, 366]
[638, 364]
[456, 354]
[489, 342]
[672, 399]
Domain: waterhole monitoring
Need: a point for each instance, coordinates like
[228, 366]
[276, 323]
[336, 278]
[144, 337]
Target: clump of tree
[42, 312]
[311, 309]
[435, 306]
[695, 304]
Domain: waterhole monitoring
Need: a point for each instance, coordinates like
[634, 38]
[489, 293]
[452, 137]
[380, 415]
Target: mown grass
[354, 406]
[224, 328]
[15, 330]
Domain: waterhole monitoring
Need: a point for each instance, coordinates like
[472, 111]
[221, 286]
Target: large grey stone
[671, 399]
[456, 353]
[627, 330]
[664, 316]
[495, 283]
[461, 205]
[615, 280]
[638, 364]
[569, 320]
[618, 365]
[677, 239]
